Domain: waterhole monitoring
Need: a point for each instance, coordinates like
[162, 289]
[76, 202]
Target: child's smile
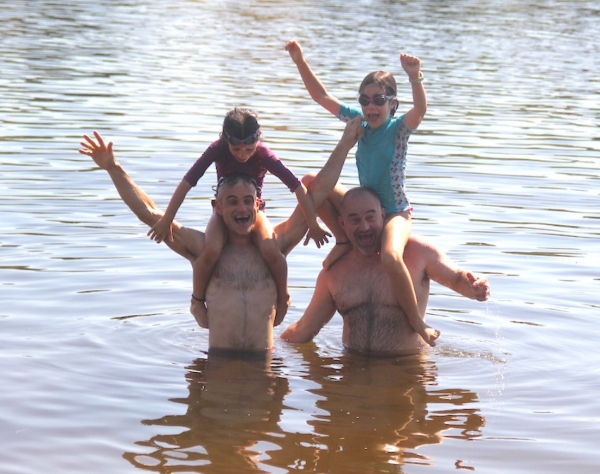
[376, 115]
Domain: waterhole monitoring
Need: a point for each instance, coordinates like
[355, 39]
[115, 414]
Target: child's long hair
[384, 80]
[240, 123]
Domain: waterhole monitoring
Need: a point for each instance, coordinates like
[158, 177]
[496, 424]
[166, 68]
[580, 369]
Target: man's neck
[239, 240]
[366, 256]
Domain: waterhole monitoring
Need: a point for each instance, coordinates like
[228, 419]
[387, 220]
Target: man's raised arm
[186, 242]
[290, 232]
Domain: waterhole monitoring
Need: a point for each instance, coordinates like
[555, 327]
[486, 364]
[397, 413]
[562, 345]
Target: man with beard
[359, 289]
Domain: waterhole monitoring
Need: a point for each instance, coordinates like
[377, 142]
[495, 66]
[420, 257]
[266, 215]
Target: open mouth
[365, 238]
[242, 219]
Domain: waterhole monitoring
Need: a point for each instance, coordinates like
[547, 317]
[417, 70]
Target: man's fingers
[99, 138]
[360, 133]
[90, 142]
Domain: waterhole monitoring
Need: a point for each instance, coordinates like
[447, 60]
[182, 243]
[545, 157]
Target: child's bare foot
[430, 335]
[281, 309]
[198, 309]
[339, 249]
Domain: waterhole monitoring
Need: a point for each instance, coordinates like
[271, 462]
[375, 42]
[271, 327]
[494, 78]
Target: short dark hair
[233, 178]
[358, 191]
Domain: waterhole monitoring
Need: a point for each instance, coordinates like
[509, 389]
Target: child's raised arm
[314, 87]
[162, 230]
[412, 67]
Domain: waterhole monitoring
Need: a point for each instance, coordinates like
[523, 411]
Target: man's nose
[363, 225]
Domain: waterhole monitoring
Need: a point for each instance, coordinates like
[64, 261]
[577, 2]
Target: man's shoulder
[421, 247]
[187, 242]
[421, 255]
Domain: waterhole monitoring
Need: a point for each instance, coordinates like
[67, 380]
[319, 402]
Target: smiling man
[241, 295]
[358, 288]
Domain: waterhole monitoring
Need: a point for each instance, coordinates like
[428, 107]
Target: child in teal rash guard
[381, 163]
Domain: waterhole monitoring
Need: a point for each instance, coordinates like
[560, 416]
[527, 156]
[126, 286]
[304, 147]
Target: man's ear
[218, 208]
[341, 222]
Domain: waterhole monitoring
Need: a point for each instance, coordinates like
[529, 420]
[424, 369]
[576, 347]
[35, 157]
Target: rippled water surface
[102, 367]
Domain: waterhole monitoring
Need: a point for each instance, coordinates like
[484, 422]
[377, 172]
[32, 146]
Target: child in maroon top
[240, 150]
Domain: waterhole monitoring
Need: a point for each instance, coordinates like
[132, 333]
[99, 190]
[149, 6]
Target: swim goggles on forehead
[249, 140]
[378, 100]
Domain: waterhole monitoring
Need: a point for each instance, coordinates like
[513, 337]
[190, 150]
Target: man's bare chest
[241, 268]
[355, 286]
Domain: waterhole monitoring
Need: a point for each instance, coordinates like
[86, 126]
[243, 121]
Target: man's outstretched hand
[101, 153]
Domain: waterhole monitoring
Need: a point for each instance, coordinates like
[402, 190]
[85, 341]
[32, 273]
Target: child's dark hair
[384, 80]
[240, 124]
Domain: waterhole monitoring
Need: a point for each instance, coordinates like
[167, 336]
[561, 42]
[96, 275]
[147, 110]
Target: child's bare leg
[329, 213]
[267, 245]
[395, 235]
[203, 266]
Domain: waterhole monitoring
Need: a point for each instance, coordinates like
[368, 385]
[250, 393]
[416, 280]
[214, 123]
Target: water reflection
[234, 403]
[503, 174]
[376, 411]
[370, 416]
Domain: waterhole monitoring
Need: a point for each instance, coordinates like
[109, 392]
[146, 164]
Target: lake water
[104, 370]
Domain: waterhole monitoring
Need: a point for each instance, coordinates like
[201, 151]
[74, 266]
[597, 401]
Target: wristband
[201, 300]
[418, 79]
[343, 243]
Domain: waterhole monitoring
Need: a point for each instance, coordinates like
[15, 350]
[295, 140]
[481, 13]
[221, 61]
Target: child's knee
[391, 260]
[208, 257]
[270, 252]
[213, 247]
[308, 178]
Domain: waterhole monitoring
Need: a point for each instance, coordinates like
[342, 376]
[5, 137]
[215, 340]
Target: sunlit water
[102, 367]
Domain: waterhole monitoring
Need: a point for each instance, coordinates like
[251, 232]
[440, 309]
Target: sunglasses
[249, 140]
[377, 100]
